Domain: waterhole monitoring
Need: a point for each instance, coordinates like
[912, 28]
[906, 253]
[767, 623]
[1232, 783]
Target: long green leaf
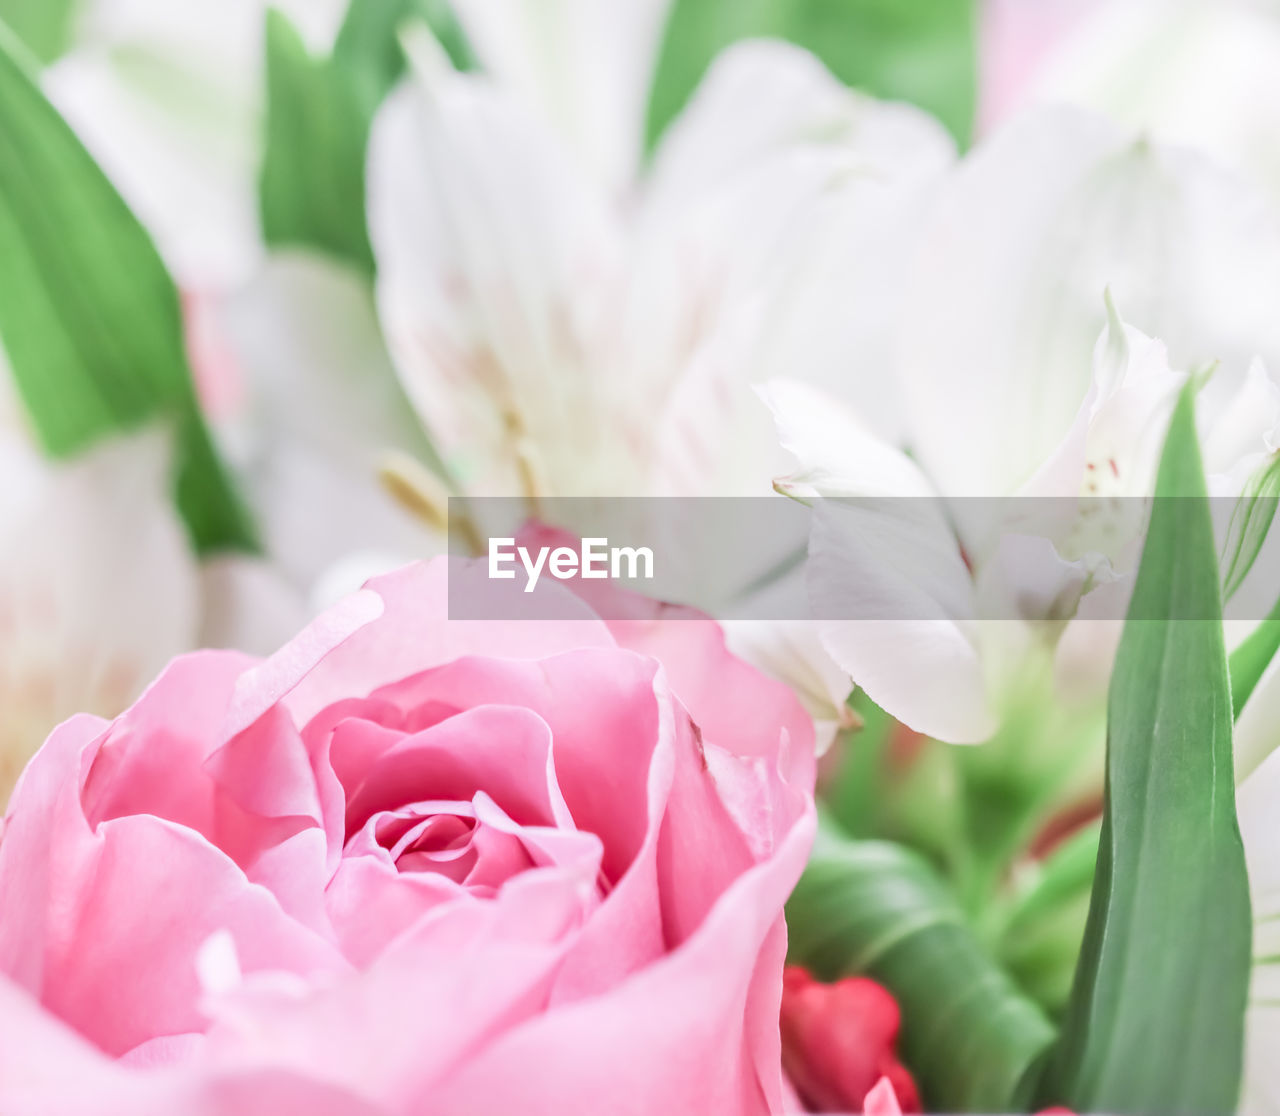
[89, 317]
[44, 26]
[319, 112]
[922, 51]
[1156, 1019]
[878, 909]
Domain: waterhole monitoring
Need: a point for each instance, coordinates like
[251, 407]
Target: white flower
[555, 338]
[933, 605]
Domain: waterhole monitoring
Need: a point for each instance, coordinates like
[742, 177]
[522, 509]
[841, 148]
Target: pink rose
[408, 865]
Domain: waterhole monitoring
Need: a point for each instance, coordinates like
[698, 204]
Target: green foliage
[89, 317]
[319, 113]
[877, 909]
[44, 26]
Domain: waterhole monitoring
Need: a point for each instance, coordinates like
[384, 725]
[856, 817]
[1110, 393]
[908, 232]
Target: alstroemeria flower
[959, 592]
[562, 332]
[1003, 401]
[558, 341]
[168, 99]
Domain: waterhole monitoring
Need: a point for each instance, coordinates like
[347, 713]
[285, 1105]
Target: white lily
[169, 100]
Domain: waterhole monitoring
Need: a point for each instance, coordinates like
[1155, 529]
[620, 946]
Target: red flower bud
[838, 1042]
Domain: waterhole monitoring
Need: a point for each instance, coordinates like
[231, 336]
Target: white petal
[1007, 287]
[325, 411]
[888, 582]
[793, 653]
[838, 456]
[585, 65]
[773, 242]
[1257, 804]
[764, 99]
[498, 264]
[1248, 425]
[886, 578]
[98, 585]
[1086, 651]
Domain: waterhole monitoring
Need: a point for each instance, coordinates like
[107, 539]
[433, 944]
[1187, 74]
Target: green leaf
[922, 51]
[89, 317]
[890, 783]
[44, 26]
[368, 45]
[319, 112]
[1156, 1019]
[877, 909]
[312, 185]
[1039, 937]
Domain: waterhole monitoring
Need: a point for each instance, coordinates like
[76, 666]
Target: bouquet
[645, 557]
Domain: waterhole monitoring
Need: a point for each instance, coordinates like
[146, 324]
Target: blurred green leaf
[1156, 1018]
[319, 112]
[312, 186]
[368, 45]
[44, 26]
[921, 51]
[1045, 756]
[892, 784]
[877, 909]
[89, 317]
[1039, 938]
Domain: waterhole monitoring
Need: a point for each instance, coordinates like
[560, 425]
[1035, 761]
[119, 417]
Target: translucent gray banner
[1042, 561]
